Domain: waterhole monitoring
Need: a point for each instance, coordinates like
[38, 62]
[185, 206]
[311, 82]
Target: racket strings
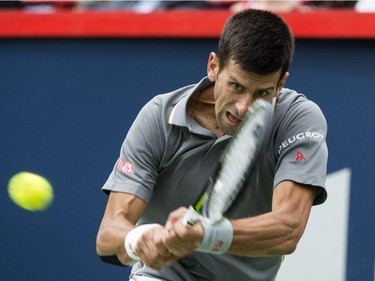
[239, 159]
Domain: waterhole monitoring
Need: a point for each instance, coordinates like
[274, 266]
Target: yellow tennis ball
[30, 191]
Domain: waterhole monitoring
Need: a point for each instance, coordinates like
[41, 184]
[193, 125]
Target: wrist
[217, 237]
[132, 237]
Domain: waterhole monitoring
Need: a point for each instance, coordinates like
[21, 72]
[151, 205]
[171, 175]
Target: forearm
[265, 235]
[121, 214]
[110, 240]
[276, 232]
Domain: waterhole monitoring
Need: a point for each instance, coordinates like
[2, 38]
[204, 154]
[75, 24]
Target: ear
[279, 88]
[212, 66]
[282, 82]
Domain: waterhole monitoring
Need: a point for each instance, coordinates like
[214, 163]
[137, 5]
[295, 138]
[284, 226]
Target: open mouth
[233, 120]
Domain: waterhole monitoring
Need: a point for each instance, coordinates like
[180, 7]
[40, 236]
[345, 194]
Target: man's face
[236, 89]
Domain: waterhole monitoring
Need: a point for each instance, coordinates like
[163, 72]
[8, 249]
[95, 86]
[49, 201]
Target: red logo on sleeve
[300, 156]
[125, 166]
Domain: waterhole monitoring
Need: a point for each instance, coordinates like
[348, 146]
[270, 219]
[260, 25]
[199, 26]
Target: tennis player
[174, 147]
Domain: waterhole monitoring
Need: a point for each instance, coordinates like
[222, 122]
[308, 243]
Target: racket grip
[190, 217]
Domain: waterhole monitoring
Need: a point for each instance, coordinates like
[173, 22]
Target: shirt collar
[178, 114]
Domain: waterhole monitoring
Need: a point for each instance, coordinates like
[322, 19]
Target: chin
[229, 131]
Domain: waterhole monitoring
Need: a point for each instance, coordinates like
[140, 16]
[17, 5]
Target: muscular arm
[121, 214]
[276, 232]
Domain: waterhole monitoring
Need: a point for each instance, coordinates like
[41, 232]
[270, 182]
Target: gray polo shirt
[167, 159]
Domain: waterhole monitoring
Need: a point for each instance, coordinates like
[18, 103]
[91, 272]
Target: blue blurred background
[65, 108]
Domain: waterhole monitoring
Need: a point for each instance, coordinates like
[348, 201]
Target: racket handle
[190, 217]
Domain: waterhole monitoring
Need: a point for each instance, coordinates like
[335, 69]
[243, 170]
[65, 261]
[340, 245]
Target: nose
[243, 104]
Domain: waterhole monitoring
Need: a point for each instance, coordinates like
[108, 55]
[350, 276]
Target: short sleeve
[136, 169]
[301, 148]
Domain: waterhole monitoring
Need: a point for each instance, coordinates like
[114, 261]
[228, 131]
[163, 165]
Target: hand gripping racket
[236, 163]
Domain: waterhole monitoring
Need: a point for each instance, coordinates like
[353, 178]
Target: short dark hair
[259, 41]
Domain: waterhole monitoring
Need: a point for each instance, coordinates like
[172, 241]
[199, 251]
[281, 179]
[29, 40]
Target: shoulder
[293, 106]
[297, 118]
[163, 103]
[291, 99]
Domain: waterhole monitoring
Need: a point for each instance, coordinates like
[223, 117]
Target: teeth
[233, 119]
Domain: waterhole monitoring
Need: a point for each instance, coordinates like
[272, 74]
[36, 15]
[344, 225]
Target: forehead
[234, 71]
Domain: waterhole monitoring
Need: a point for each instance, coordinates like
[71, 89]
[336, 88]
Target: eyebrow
[257, 90]
[265, 89]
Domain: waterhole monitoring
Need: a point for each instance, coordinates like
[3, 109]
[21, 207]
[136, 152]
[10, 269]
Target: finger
[183, 240]
[152, 260]
[175, 216]
[153, 251]
[161, 246]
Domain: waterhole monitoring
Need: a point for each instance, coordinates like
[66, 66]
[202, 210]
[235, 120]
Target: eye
[236, 87]
[262, 93]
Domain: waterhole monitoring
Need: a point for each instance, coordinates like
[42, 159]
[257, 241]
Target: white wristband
[131, 239]
[217, 237]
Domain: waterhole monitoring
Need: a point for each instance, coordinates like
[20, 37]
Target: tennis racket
[237, 163]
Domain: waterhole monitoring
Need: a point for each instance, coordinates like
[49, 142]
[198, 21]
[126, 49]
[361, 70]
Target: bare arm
[276, 232]
[121, 214]
[273, 233]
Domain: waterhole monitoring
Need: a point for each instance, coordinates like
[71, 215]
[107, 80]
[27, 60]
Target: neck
[201, 108]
